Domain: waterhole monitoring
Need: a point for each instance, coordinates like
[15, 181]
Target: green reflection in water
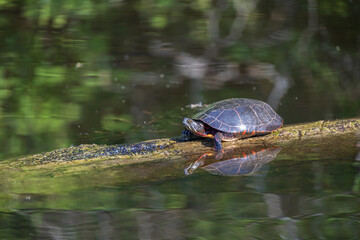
[115, 58]
[252, 206]
[75, 72]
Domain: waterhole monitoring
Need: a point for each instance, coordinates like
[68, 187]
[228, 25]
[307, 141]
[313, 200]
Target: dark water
[307, 198]
[110, 72]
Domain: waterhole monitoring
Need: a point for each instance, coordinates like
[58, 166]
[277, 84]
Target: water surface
[113, 72]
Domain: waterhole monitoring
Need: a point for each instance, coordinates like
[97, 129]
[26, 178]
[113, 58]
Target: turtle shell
[237, 115]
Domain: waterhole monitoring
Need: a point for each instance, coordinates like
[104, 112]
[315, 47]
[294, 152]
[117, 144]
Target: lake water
[114, 72]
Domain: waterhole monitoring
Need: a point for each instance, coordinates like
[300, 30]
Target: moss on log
[103, 156]
[74, 168]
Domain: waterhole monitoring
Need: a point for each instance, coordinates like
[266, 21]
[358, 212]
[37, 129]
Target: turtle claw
[192, 167]
[220, 154]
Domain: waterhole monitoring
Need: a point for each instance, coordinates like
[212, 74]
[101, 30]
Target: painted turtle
[234, 118]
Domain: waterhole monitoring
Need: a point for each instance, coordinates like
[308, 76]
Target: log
[103, 156]
[92, 165]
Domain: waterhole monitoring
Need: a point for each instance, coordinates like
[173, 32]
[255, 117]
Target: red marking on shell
[244, 132]
[253, 132]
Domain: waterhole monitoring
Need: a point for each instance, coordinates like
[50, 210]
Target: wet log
[92, 156]
[78, 167]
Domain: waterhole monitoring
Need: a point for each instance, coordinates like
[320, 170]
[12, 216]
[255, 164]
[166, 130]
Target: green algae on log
[93, 152]
[102, 156]
[75, 168]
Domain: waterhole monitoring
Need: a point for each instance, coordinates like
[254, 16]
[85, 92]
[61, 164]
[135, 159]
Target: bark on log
[102, 156]
[76, 168]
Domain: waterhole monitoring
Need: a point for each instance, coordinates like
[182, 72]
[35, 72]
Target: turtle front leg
[218, 138]
[186, 134]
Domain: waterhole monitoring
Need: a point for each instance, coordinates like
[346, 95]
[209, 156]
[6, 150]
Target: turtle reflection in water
[235, 164]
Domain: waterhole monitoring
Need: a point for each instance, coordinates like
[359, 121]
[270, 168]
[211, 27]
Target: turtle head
[196, 127]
